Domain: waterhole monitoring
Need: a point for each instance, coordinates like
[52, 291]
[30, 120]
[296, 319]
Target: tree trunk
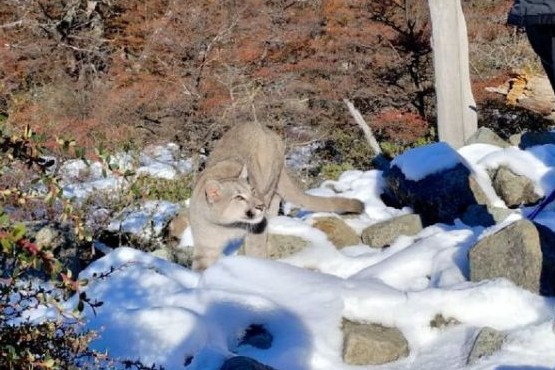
[456, 108]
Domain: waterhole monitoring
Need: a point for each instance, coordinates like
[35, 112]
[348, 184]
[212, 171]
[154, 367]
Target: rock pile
[522, 252]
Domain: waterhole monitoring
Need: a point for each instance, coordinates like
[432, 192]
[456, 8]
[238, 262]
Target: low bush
[33, 278]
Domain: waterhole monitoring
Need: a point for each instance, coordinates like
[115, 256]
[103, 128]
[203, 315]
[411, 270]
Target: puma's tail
[290, 191]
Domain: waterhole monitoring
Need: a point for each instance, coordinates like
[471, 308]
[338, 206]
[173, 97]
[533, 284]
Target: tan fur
[243, 182]
[177, 227]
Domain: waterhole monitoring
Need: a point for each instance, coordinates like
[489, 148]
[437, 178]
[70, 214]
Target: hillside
[122, 73]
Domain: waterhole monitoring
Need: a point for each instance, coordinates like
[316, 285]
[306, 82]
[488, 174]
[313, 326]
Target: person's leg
[542, 40]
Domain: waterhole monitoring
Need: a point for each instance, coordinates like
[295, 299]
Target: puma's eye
[240, 198]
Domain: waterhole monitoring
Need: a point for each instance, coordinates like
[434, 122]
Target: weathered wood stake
[456, 109]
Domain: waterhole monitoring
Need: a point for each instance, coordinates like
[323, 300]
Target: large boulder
[372, 344]
[435, 182]
[514, 253]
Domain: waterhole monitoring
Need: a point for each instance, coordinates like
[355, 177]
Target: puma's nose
[256, 211]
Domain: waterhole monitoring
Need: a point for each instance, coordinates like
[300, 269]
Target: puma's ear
[244, 173]
[213, 190]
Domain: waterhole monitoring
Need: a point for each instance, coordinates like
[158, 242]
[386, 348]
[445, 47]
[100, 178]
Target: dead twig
[370, 138]
[379, 161]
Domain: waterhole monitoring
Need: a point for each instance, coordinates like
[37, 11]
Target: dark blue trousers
[542, 39]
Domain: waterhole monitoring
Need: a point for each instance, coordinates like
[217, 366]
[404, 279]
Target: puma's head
[233, 201]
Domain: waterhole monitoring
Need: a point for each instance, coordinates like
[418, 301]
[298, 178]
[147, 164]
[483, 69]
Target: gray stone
[513, 252]
[515, 190]
[281, 246]
[337, 231]
[439, 321]
[485, 135]
[382, 234]
[61, 240]
[487, 342]
[243, 363]
[372, 344]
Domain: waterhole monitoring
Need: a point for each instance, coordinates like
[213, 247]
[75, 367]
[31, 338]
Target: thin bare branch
[12, 24]
[364, 126]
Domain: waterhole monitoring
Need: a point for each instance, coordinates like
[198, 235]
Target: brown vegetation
[123, 72]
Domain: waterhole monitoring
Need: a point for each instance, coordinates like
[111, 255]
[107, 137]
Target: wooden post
[456, 109]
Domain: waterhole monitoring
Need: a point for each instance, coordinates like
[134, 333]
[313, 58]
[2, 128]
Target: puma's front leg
[210, 242]
[256, 242]
[204, 257]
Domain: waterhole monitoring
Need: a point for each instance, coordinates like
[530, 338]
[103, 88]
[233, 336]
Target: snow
[147, 221]
[163, 162]
[422, 161]
[163, 313]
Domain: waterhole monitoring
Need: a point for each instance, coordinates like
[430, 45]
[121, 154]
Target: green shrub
[332, 171]
[346, 147]
[175, 191]
[31, 277]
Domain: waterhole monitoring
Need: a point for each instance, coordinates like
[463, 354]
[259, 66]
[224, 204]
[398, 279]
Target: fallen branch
[11, 24]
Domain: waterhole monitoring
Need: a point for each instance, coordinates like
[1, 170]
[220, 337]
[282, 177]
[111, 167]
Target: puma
[241, 186]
